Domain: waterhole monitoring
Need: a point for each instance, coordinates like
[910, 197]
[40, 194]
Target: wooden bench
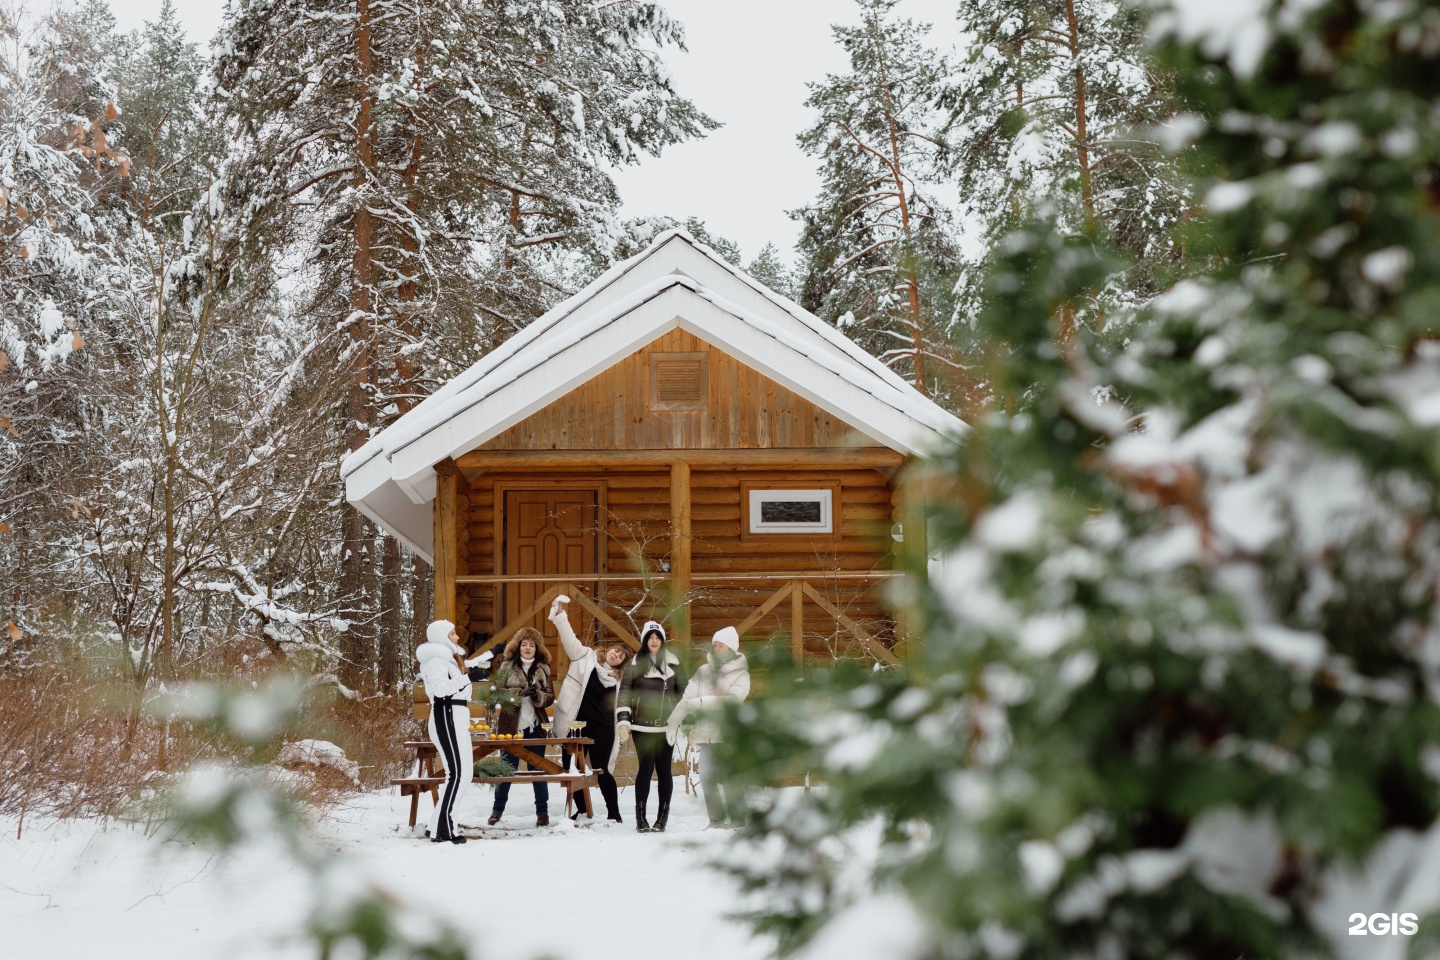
[429, 775]
[412, 787]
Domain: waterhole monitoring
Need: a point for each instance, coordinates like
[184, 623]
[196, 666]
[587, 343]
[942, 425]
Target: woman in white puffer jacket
[725, 675]
[448, 688]
[588, 694]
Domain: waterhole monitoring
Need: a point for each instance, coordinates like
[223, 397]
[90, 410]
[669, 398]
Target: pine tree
[55, 279]
[769, 269]
[639, 233]
[1178, 691]
[433, 156]
[876, 246]
[1058, 100]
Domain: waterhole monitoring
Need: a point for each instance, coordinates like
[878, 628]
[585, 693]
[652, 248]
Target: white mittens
[557, 607]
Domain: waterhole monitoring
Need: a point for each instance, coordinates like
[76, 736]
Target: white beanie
[439, 632]
[727, 636]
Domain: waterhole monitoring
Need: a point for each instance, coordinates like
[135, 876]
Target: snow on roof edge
[904, 398]
[827, 331]
[481, 368]
[911, 404]
[914, 405]
[462, 402]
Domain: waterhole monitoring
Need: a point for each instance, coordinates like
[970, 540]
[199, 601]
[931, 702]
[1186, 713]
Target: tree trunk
[357, 659]
[391, 620]
[908, 272]
[420, 602]
[1082, 145]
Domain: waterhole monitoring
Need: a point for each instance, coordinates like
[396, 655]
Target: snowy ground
[588, 893]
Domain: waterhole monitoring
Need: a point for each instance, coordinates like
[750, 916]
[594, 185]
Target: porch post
[680, 546]
[447, 495]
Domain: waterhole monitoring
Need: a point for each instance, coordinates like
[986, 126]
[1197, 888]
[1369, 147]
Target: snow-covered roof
[674, 283]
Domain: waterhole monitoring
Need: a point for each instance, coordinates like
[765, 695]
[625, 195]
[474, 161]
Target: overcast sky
[747, 66]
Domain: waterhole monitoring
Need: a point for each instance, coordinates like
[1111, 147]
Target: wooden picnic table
[430, 774]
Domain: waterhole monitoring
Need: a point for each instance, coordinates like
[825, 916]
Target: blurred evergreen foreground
[1177, 692]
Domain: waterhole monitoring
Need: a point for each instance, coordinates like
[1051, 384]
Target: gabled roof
[674, 283]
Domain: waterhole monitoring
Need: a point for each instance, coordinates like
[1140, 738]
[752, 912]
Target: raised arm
[574, 649]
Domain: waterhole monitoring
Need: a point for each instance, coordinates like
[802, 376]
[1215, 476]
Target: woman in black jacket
[649, 690]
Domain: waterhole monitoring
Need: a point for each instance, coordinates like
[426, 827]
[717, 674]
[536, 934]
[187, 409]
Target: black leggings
[655, 755]
[599, 755]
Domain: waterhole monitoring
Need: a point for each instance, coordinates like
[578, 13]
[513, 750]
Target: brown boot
[494, 818]
[542, 820]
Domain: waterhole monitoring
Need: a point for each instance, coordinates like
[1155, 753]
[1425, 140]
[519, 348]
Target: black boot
[642, 825]
[612, 799]
[661, 815]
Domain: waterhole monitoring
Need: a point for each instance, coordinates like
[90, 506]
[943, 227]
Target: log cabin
[677, 442]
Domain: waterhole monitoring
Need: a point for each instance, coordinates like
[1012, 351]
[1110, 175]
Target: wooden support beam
[447, 537]
[877, 648]
[680, 546]
[606, 619]
[914, 553]
[763, 609]
[541, 602]
[694, 577]
[759, 459]
[797, 620]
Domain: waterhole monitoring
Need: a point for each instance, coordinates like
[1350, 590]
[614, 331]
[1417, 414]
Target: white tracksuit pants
[452, 740]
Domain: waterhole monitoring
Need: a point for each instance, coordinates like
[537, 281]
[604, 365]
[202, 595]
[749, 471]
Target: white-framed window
[791, 511]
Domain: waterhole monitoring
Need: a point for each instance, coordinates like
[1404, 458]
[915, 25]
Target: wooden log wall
[636, 539]
[481, 531]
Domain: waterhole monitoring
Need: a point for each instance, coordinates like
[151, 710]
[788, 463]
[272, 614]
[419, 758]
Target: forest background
[1176, 264]
[223, 271]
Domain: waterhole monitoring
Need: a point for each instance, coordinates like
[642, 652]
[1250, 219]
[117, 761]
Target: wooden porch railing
[796, 587]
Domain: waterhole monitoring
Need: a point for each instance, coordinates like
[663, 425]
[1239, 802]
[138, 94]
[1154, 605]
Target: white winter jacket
[441, 674]
[707, 693]
[572, 689]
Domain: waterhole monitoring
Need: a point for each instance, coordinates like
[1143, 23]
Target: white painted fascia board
[909, 403]
[426, 551]
[616, 283]
[828, 391]
[547, 381]
[514, 399]
[408, 431]
[367, 478]
[735, 284]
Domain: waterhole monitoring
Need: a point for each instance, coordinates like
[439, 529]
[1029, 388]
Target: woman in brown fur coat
[524, 670]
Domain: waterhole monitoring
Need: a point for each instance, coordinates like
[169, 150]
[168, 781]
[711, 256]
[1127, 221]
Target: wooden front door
[552, 533]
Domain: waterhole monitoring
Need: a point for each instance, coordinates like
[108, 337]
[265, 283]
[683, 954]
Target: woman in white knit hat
[724, 676]
[448, 687]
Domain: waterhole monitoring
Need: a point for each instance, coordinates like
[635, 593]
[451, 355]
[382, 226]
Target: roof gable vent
[679, 381]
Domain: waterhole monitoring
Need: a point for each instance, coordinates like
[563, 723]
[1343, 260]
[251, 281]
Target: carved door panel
[550, 533]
